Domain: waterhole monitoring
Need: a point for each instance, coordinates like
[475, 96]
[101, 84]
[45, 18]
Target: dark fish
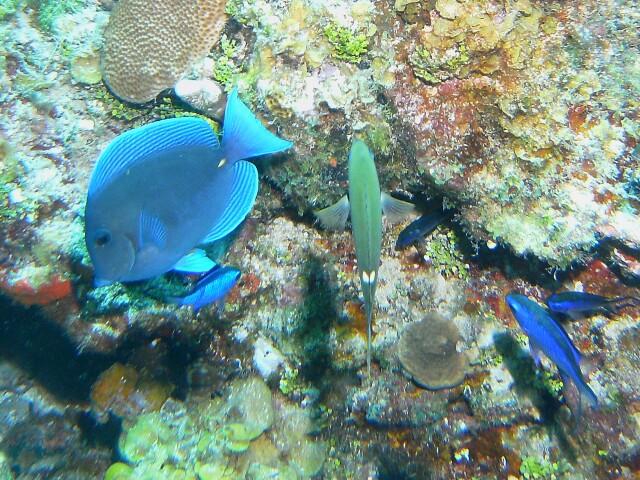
[211, 288]
[160, 190]
[571, 303]
[421, 227]
[547, 336]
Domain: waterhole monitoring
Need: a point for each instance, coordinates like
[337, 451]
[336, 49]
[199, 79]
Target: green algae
[347, 45]
[118, 471]
[50, 10]
[14, 205]
[444, 253]
[533, 468]
[9, 7]
[434, 67]
[225, 69]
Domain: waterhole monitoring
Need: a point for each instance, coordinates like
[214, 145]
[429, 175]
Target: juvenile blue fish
[211, 288]
[571, 303]
[547, 336]
[160, 190]
[421, 227]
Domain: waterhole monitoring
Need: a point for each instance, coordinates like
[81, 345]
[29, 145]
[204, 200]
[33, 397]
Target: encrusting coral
[150, 45]
[427, 351]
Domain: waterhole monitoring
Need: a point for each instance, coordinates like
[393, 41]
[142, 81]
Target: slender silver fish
[366, 204]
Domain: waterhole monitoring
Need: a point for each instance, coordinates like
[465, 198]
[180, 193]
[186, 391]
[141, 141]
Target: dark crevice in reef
[179, 352]
[97, 434]
[42, 349]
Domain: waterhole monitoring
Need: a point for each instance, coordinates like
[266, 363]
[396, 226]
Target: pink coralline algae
[25, 292]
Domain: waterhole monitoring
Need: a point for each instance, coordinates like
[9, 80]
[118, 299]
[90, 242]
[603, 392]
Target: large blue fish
[160, 190]
[547, 336]
[213, 287]
[575, 303]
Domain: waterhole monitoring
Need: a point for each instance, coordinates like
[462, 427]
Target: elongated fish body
[159, 190]
[366, 225]
[546, 335]
[420, 227]
[581, 302]
[366, 204]
[213, 287]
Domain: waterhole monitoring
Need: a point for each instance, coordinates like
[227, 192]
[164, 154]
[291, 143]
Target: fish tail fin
[591, 396]
[368, 291]
[584, 390]
[616, 304]
[243, 136]
[369, 312]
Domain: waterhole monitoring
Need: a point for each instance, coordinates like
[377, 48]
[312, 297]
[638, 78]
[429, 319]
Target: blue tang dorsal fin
[244, 192]
[196, 261]
[243, 136]
[151, 231]
[136, 145]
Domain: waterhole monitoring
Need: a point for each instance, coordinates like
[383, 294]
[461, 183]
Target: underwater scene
[306, 239]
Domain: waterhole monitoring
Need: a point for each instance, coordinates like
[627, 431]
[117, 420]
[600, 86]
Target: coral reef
[469, 98]
[522, 114]
[149, 46]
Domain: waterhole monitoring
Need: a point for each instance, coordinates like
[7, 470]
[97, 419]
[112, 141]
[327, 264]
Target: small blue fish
[211, 288]
[547, 336]
[160, 190]
[421, 227]
[573, 303]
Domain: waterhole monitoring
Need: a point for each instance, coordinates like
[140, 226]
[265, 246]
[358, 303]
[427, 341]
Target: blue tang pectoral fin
[151, 231]
[243, 195]
[243, 136]
[196, 261]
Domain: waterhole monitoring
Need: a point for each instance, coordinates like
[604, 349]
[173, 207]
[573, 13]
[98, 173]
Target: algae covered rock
[239, 435]
[250, 400]
[483, 102]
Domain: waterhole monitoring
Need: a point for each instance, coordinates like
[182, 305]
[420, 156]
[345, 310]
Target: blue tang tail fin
[243, 136]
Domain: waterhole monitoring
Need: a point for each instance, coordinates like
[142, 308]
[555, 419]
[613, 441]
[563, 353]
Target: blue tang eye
[102, 238]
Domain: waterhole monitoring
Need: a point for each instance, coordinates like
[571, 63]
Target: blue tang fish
[572, 303]
[211, 288]
[547, 336]
[160, 190]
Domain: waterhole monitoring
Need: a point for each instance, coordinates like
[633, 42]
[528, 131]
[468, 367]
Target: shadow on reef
[527, 382]
[318, 313]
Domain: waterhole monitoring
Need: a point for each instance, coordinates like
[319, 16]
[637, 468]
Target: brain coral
[149, 45]
[427, 351]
